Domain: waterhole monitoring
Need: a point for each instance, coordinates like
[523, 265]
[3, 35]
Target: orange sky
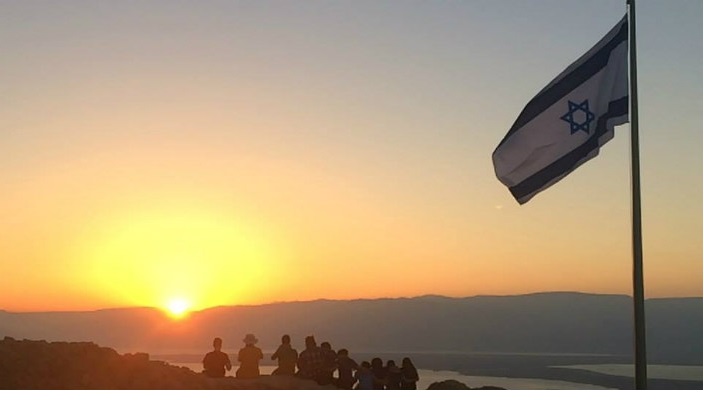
[247, 157]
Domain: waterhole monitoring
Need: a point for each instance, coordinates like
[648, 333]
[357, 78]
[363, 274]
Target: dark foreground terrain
[38, 364]
[31, 365]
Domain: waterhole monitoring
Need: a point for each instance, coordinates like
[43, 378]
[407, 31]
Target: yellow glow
[178, 308]
[177, 259]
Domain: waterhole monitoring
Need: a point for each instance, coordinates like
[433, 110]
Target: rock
[265, 382]
[33, 365]
[452, 384]
[449, 384]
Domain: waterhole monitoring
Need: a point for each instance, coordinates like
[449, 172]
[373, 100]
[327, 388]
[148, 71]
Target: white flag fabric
[565, 124]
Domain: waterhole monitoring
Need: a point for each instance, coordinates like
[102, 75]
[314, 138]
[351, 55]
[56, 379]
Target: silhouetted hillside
[535, 323]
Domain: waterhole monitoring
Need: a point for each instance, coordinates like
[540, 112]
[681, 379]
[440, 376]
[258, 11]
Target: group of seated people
[317, 363]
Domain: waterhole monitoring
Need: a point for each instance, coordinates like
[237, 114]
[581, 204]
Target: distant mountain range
[559, 323]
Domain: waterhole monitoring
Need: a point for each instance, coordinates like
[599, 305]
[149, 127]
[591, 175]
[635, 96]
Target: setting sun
[178, 308]
[202, 256]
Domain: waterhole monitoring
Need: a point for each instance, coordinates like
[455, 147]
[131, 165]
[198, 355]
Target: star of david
[584, 117]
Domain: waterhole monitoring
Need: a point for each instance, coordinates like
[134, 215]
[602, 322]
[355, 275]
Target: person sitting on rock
[311, 362]
[249, 357]
[393, 376]
[364, 376]
[287, 357]
[215, 362]
[379, 373]
[409, 374]
[329, 363]
[345, 366]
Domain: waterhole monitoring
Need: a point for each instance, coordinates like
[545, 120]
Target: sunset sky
[246, 152]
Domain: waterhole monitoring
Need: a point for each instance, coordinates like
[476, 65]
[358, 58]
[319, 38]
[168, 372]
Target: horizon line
[322, 299]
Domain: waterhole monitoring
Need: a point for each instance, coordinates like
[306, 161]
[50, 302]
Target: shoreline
[545, 367]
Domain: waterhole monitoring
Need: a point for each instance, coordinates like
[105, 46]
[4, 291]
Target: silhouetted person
[345, 366]
[393, 376]
[379, 373]
[329, 363]
[311, 362]
[409, 374]
[364, 376]
[249, 357]
[287, 357]
[215, 362]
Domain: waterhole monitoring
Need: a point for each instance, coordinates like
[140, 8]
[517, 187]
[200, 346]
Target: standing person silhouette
[215, 362]
[287, 357]
[249, 357]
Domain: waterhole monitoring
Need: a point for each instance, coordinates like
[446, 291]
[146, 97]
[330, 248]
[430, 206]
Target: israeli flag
[564, 125]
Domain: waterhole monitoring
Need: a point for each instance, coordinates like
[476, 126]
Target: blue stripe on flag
[568, 162]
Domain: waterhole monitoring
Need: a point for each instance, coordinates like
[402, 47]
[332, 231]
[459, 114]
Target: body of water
[672, 372]
[511, 371]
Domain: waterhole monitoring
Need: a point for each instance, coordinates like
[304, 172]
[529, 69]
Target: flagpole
[638, 291]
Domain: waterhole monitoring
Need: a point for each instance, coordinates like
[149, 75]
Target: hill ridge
[563, 322]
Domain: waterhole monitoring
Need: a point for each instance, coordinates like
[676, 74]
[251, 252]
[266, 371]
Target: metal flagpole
[638, 296]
